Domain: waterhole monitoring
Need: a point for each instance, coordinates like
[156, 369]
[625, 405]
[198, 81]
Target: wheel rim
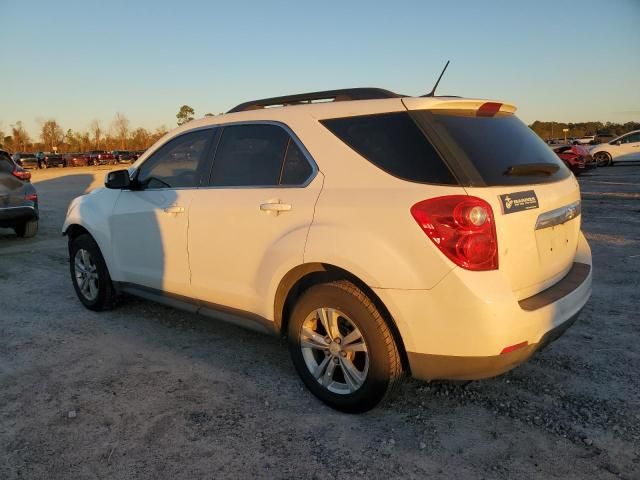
[602, 158]
[334, 350]
[86, 274]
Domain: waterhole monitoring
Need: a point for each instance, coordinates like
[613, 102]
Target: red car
[576, 157]
[76, 159]
[100, 157]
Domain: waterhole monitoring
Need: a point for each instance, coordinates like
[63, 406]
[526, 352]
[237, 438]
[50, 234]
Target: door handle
[173, 209]
[275, 207]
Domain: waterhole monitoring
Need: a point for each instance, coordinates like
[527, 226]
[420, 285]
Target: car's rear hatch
[535, 199]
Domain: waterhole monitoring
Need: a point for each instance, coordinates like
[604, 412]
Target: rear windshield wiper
[525, 169]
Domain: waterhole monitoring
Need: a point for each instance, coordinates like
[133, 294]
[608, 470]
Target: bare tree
[121, 127]
[140, 138]
[20, 136]
[51, 134]
[96, 130]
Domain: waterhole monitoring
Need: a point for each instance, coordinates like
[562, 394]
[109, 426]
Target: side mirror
[618, 143]
[118, 179]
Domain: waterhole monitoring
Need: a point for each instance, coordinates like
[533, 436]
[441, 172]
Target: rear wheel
[342, 347]
[27, 229]
[89, 274]
[603, 159]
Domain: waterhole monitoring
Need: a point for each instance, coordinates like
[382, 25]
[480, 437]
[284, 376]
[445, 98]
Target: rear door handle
[275, 207]
[173, 209]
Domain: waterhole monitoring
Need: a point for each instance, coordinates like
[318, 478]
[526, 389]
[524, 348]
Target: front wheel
[342, 347]
[603, 159]
[89, 274]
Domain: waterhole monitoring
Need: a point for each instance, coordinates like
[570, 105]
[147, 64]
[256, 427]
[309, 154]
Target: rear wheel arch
[301, 278]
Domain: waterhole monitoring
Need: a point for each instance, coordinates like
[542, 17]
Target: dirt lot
[148, 392]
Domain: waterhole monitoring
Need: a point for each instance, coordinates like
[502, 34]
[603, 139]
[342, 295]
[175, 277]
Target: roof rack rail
[332, 95]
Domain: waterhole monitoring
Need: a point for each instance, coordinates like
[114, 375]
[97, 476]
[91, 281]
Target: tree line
[548, 130]
[118, 135]
[52, 137]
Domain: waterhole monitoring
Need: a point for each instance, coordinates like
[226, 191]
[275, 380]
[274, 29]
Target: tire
[98, 292]
[603, 159]
[366, 344]
[27, 229]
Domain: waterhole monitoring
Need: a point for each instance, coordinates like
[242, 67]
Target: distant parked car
[76, 159]
[100, 157]
[26, 160]
[123, 156]
[586, 140]
[625, 148]
[137, 154]
[18, 198]
[53, 160]
[603, 138]
[576, 157]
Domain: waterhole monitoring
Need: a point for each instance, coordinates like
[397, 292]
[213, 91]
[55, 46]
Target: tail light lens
[21, 174]
[32, 197]
[462, 227]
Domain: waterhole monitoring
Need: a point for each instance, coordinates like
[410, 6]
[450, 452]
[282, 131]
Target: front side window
[632, 138]
[177, 163]
[258, 155]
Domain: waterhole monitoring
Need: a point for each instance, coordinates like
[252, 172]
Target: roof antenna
[433, 91]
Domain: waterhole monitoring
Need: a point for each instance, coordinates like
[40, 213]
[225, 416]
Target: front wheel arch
[301, 278]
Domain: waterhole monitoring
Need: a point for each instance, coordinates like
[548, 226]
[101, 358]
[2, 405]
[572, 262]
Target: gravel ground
[148, 392]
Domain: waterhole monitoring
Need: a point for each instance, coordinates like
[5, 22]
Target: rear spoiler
[481, 107]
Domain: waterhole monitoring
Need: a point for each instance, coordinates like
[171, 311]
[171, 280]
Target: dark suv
[18, 198]
[53, 160]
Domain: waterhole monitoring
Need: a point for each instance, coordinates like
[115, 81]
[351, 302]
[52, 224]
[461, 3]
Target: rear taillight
[462, 227]
[32, 197]
[21, 174]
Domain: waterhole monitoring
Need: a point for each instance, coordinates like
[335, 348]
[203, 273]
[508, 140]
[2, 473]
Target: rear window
[394, 143]
[501, 149]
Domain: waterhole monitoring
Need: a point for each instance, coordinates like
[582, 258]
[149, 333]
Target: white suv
[379, 233]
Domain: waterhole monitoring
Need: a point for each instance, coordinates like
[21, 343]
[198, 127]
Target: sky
[76, 61]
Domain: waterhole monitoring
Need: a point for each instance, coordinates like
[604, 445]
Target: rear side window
[501, 149]
[258, 155]
[6, 165]
[296, 169]
[177, 163]
[394, 143]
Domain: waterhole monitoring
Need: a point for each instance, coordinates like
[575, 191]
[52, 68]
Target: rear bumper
[16, 214]
[458, 329]
[431, 367]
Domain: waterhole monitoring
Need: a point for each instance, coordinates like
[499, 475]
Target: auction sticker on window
[518, 201]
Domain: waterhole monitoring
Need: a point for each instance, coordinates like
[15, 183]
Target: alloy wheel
[334, 350]
[86, 274]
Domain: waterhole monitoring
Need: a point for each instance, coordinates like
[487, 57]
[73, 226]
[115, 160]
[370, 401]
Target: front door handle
[275, 207]
[173, 209]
